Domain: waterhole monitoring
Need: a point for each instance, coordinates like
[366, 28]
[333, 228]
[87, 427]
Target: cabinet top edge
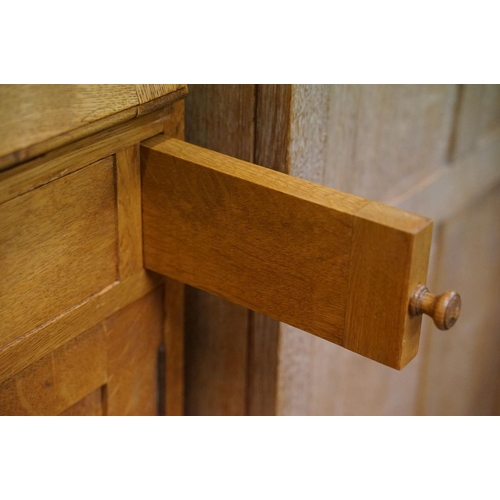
[35, 119]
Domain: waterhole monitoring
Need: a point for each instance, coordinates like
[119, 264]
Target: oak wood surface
[44, 173]
[54, 333]
[173, 338]
[222, 118]
[173, 378]
[128, 193]
[59, 238]
[60, 379]
[134, 335]
[133, 329]
[39, 118]
[67, 159]
[111, 369]
[272, 138]
[211, 221]
[89, 406]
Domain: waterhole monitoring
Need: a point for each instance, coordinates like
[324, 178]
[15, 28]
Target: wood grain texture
[41, 173]
[262, 368]
[272, 136]
[215, 367]
[173, 122]
[56, 332]
[60, 237]
[173, 338]
[174, 321]
[385, 265]
[77, 155]
[58, 380]
[146, 93]
[222, 118]
[134, 335]
[128, 193]
[272, 126]
[89, 406]
[39, 118]
[211, 221]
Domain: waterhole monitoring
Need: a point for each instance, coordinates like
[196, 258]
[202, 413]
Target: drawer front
[58, 246]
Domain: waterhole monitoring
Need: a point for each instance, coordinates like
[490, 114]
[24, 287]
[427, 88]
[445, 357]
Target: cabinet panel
[59, 380]
[134, 335]
[58, 246]
[89, 406]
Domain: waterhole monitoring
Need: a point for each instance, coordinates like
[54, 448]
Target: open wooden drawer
[87, 328]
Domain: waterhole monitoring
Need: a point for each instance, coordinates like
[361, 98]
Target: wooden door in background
[430, 149]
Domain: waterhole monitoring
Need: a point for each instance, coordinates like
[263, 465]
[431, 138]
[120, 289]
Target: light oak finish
[58, 167]
[39, 118]
[77, 155]
[206, 223]
[60, 379]
[41, 341]
[133, 326]
[134, 335]
[60, 237]
[128, 189]
[110, 369]
[89, 406]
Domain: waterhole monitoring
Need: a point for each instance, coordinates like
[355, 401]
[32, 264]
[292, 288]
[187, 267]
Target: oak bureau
[82, 327]
[106, 213]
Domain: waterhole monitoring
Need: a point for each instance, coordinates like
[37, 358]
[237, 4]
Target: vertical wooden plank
[134, 335]
[463, 368]
[128, 186]
[272, 126]
[219, 117]
[174, 123]
[173, 335]
[262, 364]
[272, 135]
[173, 326]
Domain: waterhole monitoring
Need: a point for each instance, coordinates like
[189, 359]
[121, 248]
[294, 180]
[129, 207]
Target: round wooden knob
[444, 309]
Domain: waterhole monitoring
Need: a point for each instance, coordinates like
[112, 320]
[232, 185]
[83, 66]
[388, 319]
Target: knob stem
[444, 309]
